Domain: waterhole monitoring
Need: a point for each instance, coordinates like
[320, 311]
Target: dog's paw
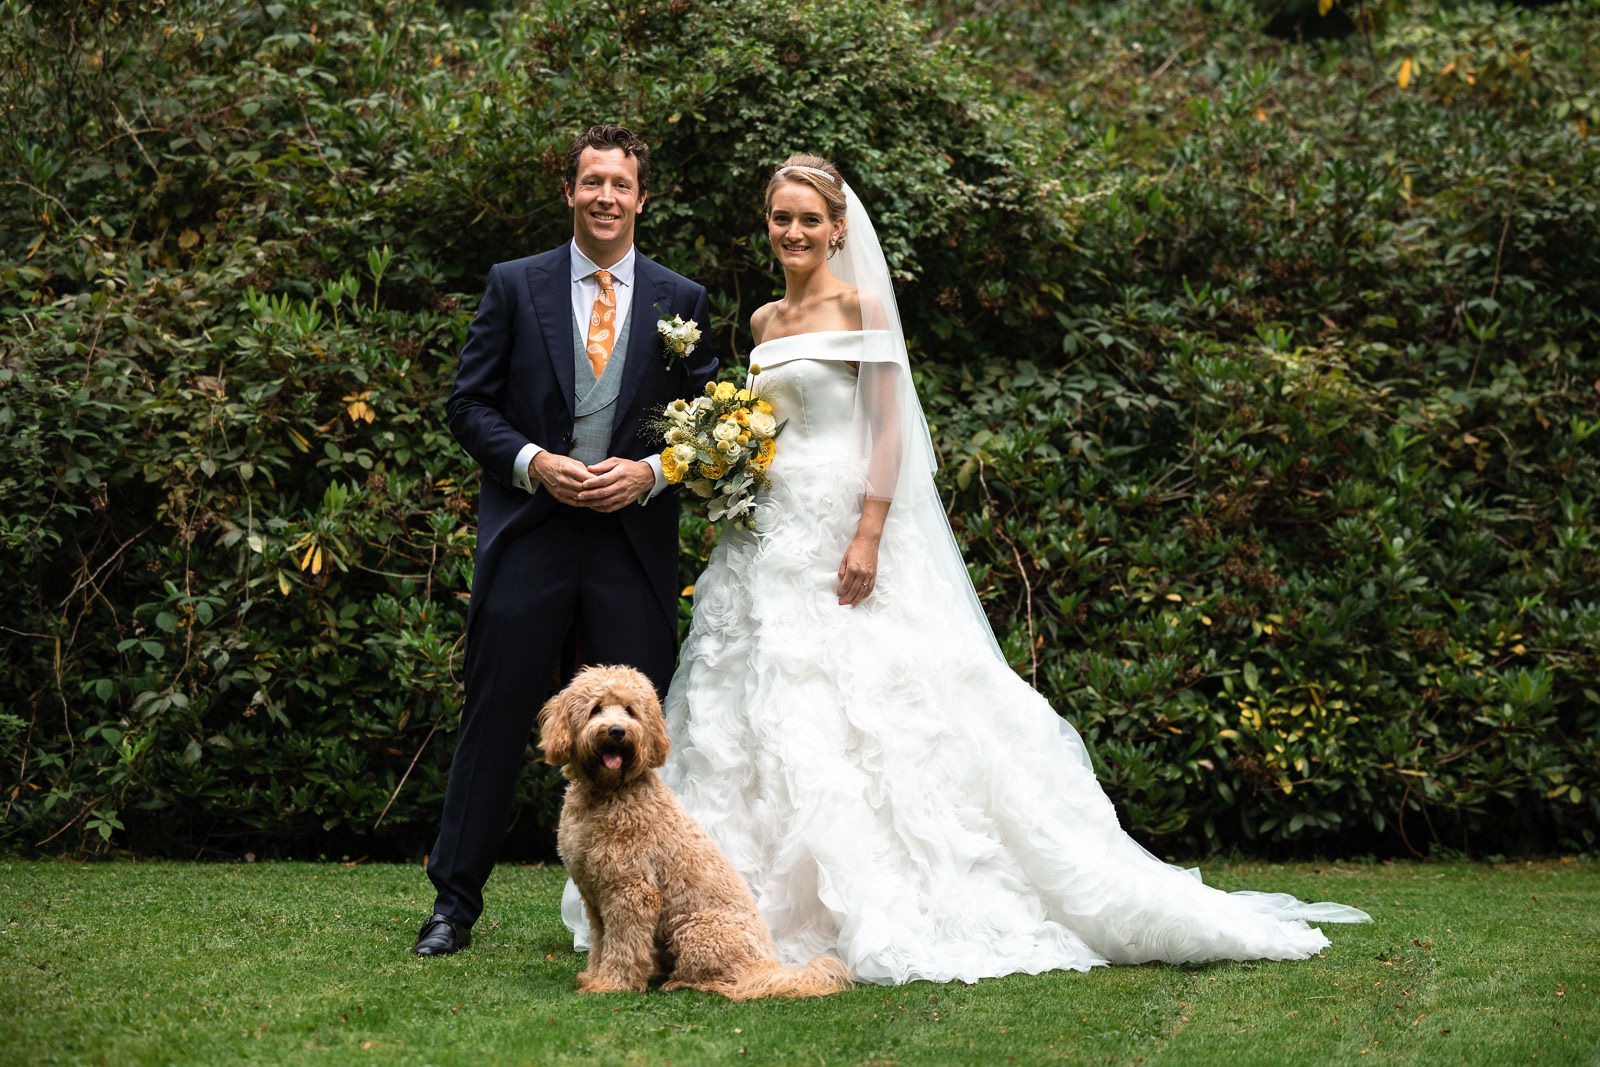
[589, 983]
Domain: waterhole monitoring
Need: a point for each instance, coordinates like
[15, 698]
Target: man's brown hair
[604, 137]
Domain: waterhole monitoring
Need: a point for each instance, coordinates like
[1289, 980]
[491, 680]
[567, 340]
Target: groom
[561, 369]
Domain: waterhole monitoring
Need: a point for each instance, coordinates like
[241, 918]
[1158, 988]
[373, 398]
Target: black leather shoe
[440, 937]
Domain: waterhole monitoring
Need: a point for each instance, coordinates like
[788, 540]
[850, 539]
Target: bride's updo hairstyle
[819, 174]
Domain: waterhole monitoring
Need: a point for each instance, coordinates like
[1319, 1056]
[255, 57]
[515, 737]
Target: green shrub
[240, 532]
[1305, 505]
[1264, 385]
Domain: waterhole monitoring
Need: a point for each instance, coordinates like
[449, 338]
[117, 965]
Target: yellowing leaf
[305, 561]
[1324, 6]
[188, 239]
[361, 410]
[283, 583]
[316, 561]
[1175, 597]
[1405, 73]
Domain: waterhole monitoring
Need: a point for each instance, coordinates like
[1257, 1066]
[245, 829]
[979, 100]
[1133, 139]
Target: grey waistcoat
[595, 399]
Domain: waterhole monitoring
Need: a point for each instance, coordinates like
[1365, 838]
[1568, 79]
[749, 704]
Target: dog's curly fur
[662, 900]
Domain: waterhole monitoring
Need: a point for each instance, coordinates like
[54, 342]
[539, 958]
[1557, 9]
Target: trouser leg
[511, 660]
[619, 617]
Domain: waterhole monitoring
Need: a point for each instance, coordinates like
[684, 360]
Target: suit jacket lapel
[642, 339]
[550, 290]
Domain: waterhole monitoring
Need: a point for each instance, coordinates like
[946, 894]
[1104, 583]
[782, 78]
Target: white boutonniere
[678, 337]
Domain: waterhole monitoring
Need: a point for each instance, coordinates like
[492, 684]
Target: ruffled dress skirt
[891, 791]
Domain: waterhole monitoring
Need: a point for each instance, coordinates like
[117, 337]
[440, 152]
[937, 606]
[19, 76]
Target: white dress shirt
[585, 291]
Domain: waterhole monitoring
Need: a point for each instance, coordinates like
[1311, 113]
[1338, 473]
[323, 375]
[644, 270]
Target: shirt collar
[583, 266]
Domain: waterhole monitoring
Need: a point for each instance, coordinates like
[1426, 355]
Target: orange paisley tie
[602, 324]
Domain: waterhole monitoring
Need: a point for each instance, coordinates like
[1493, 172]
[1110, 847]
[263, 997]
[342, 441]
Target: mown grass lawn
[128, 962]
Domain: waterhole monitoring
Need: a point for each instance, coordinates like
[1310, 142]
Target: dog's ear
[555, 729]
[656, 742]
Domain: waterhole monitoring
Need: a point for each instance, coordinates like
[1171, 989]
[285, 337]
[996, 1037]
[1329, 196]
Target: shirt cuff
[519, 469]
[661, 479]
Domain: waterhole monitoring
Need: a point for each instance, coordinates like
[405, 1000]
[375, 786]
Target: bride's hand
[858, 572]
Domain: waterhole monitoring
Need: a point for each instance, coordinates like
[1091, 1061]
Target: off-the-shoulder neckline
[813, 333]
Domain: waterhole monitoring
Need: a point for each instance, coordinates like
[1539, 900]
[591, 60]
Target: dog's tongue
[613, 760]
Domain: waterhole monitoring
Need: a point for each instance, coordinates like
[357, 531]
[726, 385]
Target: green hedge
[1266, 387]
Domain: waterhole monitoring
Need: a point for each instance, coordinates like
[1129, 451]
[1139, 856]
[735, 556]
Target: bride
[843, 724]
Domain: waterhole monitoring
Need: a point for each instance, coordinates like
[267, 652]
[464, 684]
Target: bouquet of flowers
[719, 447]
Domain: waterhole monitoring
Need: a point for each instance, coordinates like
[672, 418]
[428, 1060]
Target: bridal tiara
[813, 170]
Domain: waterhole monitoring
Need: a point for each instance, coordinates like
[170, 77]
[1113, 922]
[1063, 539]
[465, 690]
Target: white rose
[701, 487]
[725, 431]
[761, 424]
[683, 453]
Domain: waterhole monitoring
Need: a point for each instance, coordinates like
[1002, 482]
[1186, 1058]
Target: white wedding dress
[892, 792]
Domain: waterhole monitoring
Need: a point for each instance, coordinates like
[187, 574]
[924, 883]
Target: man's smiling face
[605, 199]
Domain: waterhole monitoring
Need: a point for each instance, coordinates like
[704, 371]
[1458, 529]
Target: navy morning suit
[545, 571]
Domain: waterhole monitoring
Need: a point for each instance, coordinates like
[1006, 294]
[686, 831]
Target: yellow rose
[725, 391]
[671, 469]
[713, 470]
[743, 394]
[764, 453]
[763, 407]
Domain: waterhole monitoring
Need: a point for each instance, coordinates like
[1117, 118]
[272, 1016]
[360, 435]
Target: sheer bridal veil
[901, 457]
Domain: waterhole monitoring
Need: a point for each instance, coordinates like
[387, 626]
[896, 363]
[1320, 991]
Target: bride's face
[799, 227]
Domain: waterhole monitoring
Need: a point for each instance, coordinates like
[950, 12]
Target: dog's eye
[597, 709]
[629, 710]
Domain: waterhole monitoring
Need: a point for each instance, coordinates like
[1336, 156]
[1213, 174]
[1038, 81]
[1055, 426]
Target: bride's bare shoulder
[863, 310]
[760, 319]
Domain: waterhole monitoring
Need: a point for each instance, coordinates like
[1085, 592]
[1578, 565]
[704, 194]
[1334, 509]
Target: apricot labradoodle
[662, 900]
